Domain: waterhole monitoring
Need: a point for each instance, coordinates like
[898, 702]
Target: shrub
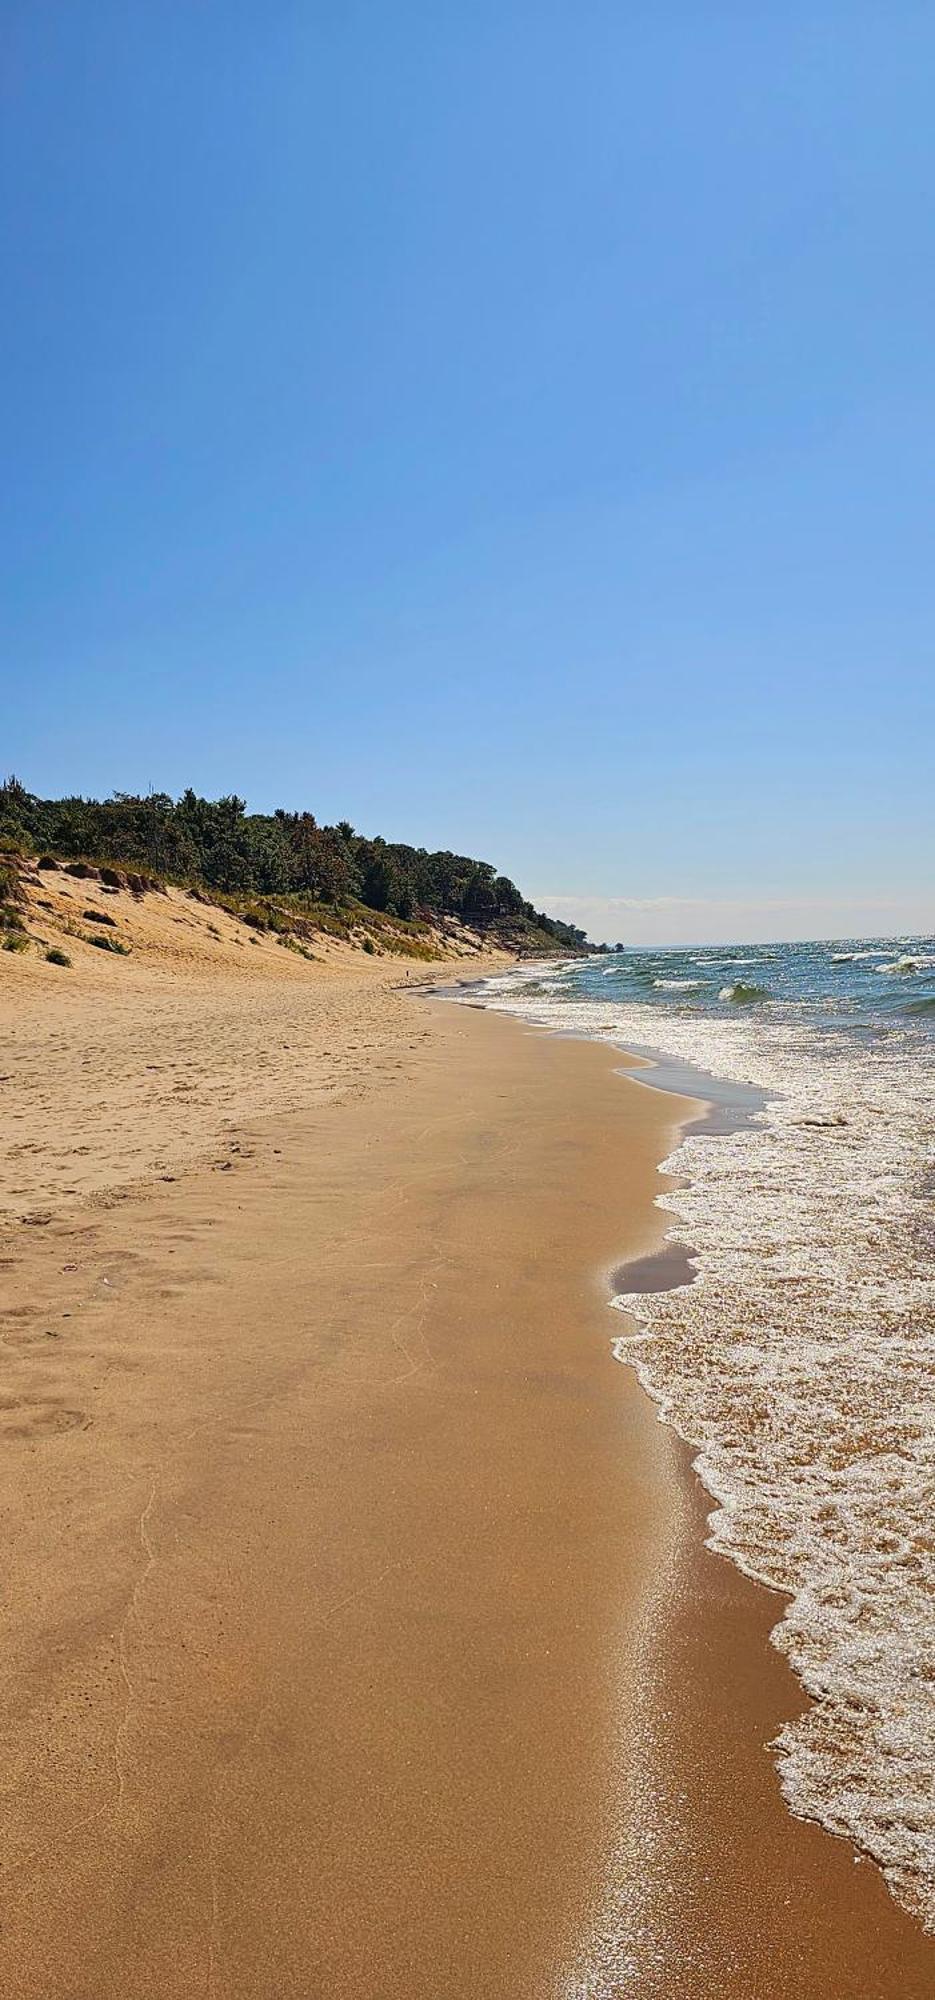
[110, 944]
[10, 919]
[9, 884]
[56, 957]
[369, 946]
[16, 941]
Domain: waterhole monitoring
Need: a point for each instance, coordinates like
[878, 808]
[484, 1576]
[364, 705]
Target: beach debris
[820, 1123]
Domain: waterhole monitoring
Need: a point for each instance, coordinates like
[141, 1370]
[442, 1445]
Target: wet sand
[358, 1638]
[751, 1901]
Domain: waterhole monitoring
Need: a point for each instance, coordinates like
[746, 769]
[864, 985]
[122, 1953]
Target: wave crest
[743, 992]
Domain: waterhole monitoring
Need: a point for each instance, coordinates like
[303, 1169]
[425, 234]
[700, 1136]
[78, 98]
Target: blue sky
[507, 427]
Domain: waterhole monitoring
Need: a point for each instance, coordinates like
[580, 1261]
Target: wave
[926, 1005]
[743, 993]
[679, 985]
[731, 960]
[909, 963]
[854, 957]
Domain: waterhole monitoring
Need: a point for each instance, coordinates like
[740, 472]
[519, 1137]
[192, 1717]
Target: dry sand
[358, 1639]
[118, 1071]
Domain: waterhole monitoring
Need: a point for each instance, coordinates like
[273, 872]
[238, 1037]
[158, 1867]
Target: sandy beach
[359, 1638]
[467, 1005]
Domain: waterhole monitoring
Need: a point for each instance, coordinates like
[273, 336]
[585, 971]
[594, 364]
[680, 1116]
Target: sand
[358, 1635]
[117, 1071]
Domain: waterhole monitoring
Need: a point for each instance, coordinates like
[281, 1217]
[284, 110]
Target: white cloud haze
[722, 920]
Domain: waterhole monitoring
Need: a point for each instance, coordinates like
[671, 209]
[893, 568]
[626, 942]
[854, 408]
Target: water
[799, 1360]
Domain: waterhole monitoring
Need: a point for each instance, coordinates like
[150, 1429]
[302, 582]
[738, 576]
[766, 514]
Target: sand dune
[119, 1071]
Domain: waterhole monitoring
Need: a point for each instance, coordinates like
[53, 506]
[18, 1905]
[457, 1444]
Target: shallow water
[800, 1362]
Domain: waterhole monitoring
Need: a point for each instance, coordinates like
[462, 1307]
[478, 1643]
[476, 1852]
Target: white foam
[801, 1367]
[909, 962]
[854, 957]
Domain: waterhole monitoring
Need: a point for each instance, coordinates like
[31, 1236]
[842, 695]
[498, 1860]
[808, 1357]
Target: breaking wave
[909, 963]
[743, 993]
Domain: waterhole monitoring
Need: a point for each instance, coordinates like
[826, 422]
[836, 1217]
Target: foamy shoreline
[797, 1366]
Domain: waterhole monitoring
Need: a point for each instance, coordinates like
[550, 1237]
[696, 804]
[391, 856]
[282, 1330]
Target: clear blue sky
[509, 427]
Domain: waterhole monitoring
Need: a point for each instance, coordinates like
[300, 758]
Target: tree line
[217, 844]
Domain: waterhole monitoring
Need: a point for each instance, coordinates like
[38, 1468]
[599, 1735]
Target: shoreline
[799, 1283]
[284, 1721]
[743, 1920]
[761, 1922]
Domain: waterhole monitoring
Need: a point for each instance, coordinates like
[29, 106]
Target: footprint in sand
[32, 1419]
[35, 1336]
